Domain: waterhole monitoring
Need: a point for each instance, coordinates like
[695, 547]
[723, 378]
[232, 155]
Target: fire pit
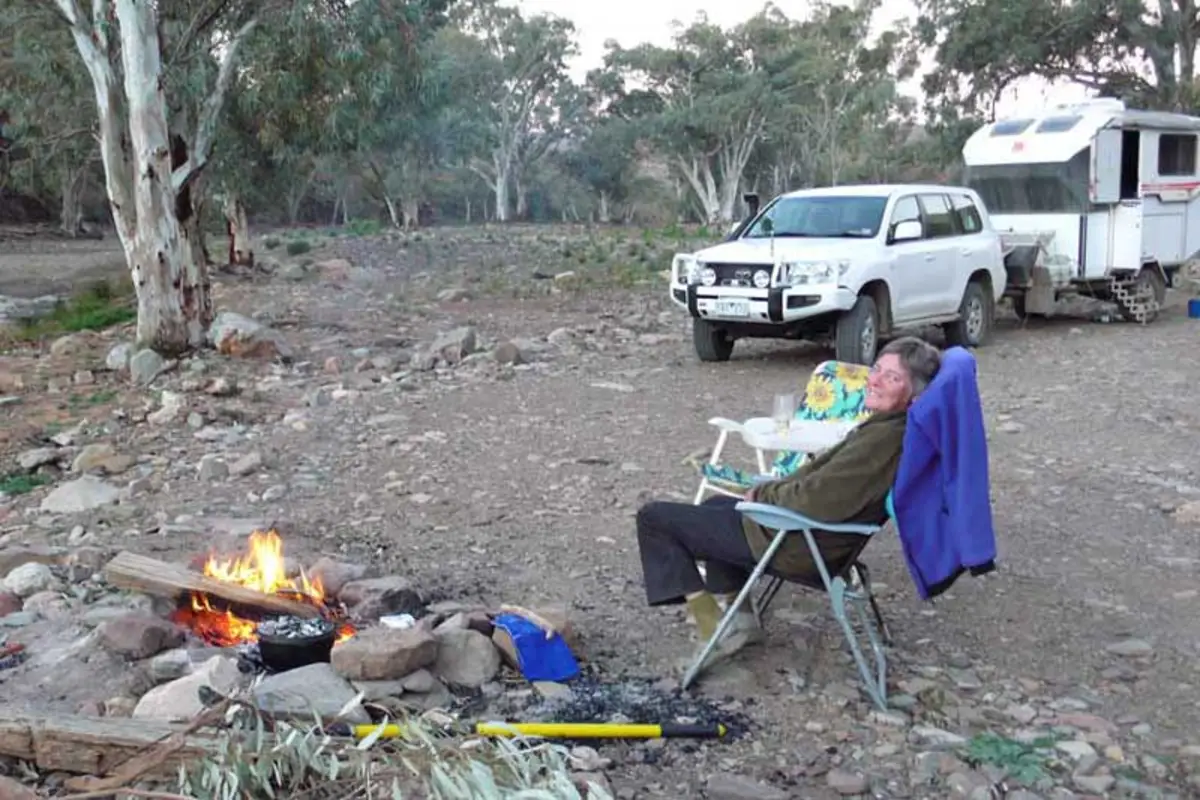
[289, 642]
[282, 639]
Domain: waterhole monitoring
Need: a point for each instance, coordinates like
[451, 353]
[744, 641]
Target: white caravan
[1092, 198]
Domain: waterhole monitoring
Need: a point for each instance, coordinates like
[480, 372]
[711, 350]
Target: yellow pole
[563, 730]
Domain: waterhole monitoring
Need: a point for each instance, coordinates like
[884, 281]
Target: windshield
[1060, 188]
[820, 217]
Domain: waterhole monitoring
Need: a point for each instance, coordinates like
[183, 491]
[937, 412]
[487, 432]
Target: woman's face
[889, 387]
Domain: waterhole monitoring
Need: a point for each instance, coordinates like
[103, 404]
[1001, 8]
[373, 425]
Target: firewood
[161, 579]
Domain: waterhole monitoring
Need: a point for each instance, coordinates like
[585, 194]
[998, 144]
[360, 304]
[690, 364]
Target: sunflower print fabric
[836, 392]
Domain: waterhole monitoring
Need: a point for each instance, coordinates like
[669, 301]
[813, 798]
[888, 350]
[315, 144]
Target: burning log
[161, 579]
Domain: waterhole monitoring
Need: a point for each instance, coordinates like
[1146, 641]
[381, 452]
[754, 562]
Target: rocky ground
[441, 410]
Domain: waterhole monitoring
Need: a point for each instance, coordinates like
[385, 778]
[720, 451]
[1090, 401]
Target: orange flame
[264, 569]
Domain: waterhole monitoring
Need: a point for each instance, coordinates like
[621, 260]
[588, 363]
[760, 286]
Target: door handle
[966, 251]
[930, 257]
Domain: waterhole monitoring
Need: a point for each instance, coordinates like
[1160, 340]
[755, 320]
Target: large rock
[235, 335]
[456, 345]
[372, 598]
[305, 692]
[39, 457]
[139, 635]
[101, 457]
[384, 654]
[180, 699]
[29, 579]
[145, 366]
[82, 494]
[465, 658]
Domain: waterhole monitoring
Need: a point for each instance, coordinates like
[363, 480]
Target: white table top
[803, 436]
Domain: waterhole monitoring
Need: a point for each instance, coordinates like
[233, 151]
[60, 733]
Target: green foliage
[297, 247]
[272, 242]
[1023, 762]
[363, 227]
[15, 483]
[95, 308]
[302, 761]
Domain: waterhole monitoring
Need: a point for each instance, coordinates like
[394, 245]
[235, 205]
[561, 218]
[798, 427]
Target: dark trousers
[672, 537]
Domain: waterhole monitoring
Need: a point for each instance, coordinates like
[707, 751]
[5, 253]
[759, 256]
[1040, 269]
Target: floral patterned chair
[836, 393]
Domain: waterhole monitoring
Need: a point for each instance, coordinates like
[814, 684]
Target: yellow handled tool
[554, 730]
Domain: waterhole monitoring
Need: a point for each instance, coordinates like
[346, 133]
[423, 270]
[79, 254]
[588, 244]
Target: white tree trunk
[149, 186]
[412, 213]
[522, 199]
[500, 190]
[603, 212]
[699, 175]
[393, 211]
[237, 227]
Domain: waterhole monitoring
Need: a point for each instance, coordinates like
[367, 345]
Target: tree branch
[206, 128]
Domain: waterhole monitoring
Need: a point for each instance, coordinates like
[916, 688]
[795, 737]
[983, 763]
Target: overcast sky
[633, 21]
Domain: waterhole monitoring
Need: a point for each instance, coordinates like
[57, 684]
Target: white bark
[393, 211]
[151, 196]
[604, 215]
[412, 212]
[698, 173]
[237, 227]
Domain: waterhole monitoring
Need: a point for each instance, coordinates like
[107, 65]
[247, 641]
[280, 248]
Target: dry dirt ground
[1070, 672]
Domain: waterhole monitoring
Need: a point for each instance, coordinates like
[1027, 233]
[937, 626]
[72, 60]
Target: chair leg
[876, 684]
[765, 599]
[731, 612]
[864, 574]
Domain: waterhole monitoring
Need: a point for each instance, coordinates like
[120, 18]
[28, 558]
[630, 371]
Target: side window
[969, 220]
[939, 218]
[1177, 154]
[906, 210]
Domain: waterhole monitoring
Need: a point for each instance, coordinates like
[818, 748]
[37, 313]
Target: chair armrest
[728, 425]
[783, 519]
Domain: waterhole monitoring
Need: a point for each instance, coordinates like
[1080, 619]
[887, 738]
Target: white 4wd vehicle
[855, 263]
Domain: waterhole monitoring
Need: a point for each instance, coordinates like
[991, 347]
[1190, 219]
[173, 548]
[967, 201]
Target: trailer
[1091, 198]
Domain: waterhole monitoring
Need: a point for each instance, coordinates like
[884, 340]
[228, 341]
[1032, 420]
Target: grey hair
[920, 359]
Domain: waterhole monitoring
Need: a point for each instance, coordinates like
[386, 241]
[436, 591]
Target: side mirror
[751, 200]
[907, 231]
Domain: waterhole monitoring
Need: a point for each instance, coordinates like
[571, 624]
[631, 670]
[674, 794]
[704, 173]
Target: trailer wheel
[1141, 299]
[975, 315]
[711, 343]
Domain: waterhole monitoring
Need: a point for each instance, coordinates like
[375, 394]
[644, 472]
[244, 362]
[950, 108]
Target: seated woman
[849, 482]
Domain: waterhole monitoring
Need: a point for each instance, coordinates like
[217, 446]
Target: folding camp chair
[835, 394]
[849, 586]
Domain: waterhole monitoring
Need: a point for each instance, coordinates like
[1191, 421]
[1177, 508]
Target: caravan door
[1113, 236]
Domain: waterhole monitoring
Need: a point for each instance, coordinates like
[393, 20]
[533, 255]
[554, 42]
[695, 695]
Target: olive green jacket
[849, 482]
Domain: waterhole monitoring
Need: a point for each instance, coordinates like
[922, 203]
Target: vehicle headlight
[762, 279]
[708, 276]
[800, 273]
[684, 268]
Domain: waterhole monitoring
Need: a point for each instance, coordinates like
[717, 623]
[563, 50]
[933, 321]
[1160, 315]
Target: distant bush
[297, 247]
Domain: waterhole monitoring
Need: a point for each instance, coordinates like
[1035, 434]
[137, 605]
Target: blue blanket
[941, 499]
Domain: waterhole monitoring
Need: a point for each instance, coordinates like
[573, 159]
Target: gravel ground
[500, 484]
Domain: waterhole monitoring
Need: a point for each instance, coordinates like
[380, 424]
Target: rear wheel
[857, 337]
[975, 315]
[1140, 299]
[712, 343]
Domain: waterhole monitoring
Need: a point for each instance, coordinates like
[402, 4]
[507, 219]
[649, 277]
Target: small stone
[1076, 749]
[334, 575]
[251, 462]
[274, 493]
[725, 786]
[508, 353]
[372, 598]
[139, 635]
[11, 789]
[847, 783]
[936, 737]
[1130, 648]
[180, 699]
[1094, 784]
[9, 603]
[29, 579]
[170, 665]
[465, 658]
[212, 468]
[144, 366]
[100, 458]
[82, 494]
[119, 356]
[40, 457]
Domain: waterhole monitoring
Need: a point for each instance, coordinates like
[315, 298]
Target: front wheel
[975, 315]
[857, 336]
[712, 343]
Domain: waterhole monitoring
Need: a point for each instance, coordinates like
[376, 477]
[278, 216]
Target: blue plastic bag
[538, 658]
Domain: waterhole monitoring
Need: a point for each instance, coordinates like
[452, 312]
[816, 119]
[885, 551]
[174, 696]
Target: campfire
[261, 569]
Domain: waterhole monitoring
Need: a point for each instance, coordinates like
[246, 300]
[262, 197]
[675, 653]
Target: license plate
[732, 308]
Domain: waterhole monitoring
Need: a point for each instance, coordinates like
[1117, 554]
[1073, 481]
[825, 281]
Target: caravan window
[1033, 188]
[1177, 154]
[1010, 127]
[1057, 124]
